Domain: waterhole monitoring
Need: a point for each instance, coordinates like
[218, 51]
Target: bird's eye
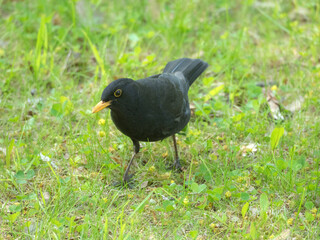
[117, 93]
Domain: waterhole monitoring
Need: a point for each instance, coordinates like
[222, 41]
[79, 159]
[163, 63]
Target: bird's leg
[126, 176]
[176, 163]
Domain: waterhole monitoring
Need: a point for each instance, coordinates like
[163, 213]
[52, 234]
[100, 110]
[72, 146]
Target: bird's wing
[165, 102]
[166, 93]
[175, 94]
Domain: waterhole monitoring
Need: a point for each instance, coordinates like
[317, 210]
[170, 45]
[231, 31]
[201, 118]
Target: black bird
[152, 108]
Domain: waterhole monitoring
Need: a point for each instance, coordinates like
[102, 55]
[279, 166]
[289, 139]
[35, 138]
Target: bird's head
[117, 91]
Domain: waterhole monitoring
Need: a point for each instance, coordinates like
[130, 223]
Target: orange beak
[101, 105]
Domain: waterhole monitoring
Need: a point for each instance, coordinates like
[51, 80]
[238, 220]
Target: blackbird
[152, 108]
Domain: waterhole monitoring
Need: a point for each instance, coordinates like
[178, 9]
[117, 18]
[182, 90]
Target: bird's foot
[176, 165]
[127, 178]
[126, 182]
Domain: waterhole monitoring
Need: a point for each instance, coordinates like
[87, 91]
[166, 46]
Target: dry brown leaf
[144, 184]
[117, 160]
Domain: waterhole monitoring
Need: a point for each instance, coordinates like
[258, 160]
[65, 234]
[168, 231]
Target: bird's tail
[190, 68]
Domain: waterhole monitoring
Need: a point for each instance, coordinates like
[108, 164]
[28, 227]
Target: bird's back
[163, 107]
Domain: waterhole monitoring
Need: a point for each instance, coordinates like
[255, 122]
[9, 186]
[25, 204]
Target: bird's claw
[176, 165]
[127, 178]
[126, 182]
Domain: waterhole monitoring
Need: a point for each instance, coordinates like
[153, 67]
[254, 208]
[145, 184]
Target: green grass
[57, 56]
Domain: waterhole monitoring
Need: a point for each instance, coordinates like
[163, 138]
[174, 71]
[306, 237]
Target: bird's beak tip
[101, 105]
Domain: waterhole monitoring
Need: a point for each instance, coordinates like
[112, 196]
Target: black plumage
[155, 107]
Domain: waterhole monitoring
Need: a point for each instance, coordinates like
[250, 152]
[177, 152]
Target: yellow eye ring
[117, 93]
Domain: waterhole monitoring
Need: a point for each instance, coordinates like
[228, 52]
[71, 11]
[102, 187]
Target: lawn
[250, 153]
